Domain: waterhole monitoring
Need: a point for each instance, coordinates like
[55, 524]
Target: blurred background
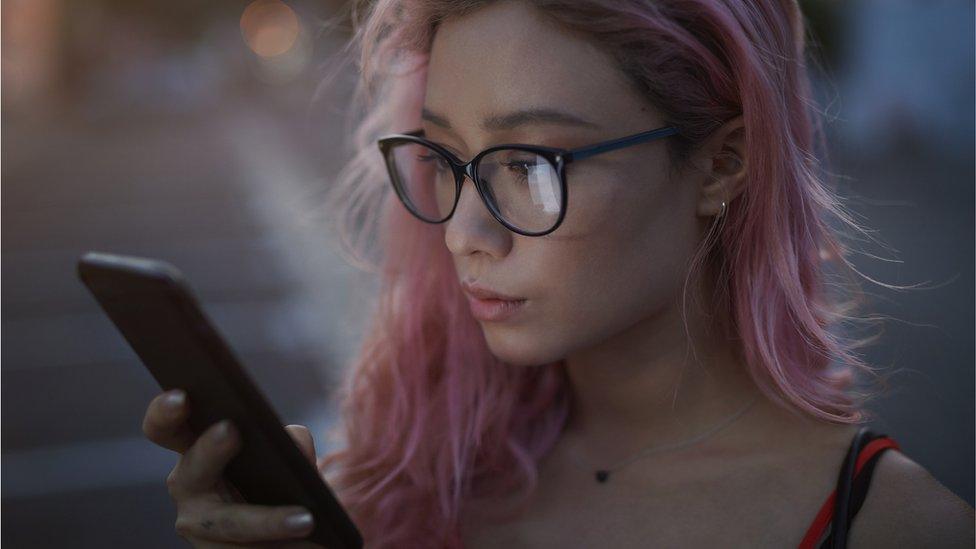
[192, 132]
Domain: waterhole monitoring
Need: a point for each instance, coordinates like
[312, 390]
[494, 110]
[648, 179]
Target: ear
[723, 157]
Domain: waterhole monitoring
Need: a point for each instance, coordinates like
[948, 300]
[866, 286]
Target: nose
[472, 228]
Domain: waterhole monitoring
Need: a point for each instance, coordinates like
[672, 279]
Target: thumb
[304, 439]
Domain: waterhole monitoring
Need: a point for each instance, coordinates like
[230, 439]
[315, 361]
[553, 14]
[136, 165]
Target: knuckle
[173, 481]
[182, 527]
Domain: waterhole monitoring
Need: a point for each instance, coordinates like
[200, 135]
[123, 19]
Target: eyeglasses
[523, 186]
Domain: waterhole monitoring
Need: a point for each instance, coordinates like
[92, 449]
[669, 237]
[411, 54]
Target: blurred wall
[900, 100]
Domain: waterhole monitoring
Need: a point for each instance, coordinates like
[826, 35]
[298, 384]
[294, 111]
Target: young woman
[605, 321]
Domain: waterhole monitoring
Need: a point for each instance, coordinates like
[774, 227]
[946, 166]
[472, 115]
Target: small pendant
[602, 476]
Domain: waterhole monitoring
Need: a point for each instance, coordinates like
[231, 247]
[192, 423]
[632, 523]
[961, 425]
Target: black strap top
[830, 528]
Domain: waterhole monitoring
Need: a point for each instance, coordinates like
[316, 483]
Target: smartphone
[150, 302]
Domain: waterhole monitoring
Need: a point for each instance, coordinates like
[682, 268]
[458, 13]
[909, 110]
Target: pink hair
[431, 419]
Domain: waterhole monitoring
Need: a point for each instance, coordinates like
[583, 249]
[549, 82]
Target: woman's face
[622, 251]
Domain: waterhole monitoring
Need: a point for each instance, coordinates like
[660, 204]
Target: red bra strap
[817, 529]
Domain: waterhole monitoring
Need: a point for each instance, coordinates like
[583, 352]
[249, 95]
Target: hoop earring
[722, 211]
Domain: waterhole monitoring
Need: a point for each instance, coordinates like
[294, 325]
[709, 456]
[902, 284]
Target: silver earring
[722, 212]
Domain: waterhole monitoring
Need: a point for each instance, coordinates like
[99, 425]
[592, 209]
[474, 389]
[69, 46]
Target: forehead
[507, 55]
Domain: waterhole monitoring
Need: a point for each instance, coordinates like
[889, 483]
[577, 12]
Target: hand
[210, 513]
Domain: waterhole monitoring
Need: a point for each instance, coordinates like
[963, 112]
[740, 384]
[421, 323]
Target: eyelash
[429, 158]
[523, 166]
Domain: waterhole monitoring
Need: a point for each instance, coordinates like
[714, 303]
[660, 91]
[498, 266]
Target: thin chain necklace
[603, 475]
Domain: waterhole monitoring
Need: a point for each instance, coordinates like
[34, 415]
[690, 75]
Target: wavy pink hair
[431, 420]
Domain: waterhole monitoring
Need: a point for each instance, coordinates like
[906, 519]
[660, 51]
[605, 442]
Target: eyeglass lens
[523, 185]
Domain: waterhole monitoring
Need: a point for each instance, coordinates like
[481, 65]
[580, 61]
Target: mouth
[494, 310]
[488, 305]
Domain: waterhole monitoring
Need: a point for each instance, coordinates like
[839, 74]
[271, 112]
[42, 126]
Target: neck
[652, 384]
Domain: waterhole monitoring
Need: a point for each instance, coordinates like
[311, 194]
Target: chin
[519, 347]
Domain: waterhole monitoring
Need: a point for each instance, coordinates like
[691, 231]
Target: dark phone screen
[153, 307]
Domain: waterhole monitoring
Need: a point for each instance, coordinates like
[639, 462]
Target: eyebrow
[510, 120]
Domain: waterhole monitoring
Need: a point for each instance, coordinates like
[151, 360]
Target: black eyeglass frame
[557, 158]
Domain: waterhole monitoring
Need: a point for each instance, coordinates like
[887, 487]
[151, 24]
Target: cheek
[617, 201]
[592, 204]
[610, 268]
[638, 260]
[623, 235]
[616, 284]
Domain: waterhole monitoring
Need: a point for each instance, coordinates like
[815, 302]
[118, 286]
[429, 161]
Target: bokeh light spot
[270, 28]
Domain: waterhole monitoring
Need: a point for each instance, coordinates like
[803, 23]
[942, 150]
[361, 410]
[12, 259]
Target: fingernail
[176, 398]
[299, 522]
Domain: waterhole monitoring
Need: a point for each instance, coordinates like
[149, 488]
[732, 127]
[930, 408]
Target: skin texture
[604, 292]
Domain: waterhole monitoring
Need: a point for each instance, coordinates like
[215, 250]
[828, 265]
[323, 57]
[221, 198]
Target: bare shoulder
[907, 507]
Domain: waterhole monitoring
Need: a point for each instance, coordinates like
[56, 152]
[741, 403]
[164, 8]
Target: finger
[227, 492]
[201, 466]
[303, 438]
[165, 421]
[276, 544]
[244, 523]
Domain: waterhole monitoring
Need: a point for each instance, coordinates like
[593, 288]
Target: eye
[441, 163]
[520, 167]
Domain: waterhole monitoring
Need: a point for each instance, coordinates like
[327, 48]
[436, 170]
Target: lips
[482, 292]
[491, 306]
